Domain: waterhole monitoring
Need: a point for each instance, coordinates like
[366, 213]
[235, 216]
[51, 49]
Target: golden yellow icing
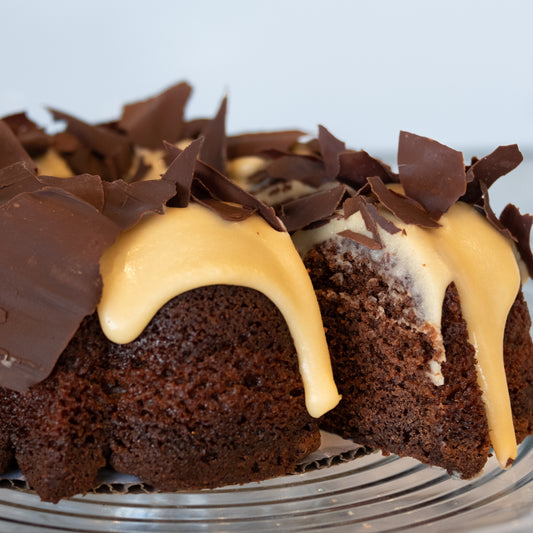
[166, 255]
[482, 263]
[52, 164]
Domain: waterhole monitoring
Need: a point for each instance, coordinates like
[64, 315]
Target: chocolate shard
[181, 172]
[223, 189]
[258, 143]
[361, 239]
[214, 147]
[16, 179]
[330, 148]
[404, 208]
[307, 169]
[125, 203]
[207, 182]
[86, 187]
[149, 122]
[56, 240]
[490, 215]
[229, 212]
[316, 207]
[520, 227]
[373, 213]
[357, 166]
[34, 139]
[11, 149]
[100, 150]
[490, 168]
[55, 231]
[430, 173]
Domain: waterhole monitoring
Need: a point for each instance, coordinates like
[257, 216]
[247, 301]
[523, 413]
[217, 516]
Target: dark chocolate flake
[361, 239]
[489, 169]
[258, 143]
[181, 172]
[101, 150]
[315, 207]
[520, 227]
[11, 149]
[56, 241]
[406, 209]
[214, 147]
[150, 122]
[430, 173]
[330, 148]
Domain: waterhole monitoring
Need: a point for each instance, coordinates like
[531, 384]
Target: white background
[458, 71]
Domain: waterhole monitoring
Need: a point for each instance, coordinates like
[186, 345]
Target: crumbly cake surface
[209, 395]
[380, 359]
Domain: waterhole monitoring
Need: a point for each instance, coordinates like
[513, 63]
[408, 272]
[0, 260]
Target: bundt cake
[168, 312]
[166, 328]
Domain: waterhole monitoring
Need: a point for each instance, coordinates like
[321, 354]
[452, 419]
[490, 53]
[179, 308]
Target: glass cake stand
[372, 493]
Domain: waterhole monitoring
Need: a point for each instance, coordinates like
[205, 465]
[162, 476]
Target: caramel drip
[164, 256]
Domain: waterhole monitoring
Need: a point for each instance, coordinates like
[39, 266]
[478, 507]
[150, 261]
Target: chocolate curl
[149, 122]
[310, 209]
[93, 149]
[430, 173]
[520, 227]
[11, 149]
[356, 167]
[359, 238]
[258, 143]
[54, 232]
[181, 172]
[34, 139]
[330, 148]
[307, 169]
[213, 150]
[16, 179]
[406, 209]
[489, 169]
[211, 188]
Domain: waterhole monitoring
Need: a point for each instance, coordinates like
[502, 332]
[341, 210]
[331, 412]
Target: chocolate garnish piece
[55, 235]
[406, 209]
[520, 227]
[56, 282]
[181, 172]
[330, 148]
[307, 169]
[214, 147]
[86, 187]
[490, 168]
[300, 213]
[490, 215]
[430, 173]
[11, 149]
[100, 150]
[361, 239]
[149, 122]
[3, 316]
[356, 166]
[229, 212]
[258, 143]
[34, 139]
[16, 179]
[207, 182]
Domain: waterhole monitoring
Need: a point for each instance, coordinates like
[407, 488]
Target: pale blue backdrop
[458, 71]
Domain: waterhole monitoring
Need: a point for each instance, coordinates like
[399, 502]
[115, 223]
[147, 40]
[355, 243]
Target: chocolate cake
[164, 328]
[180, 338]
